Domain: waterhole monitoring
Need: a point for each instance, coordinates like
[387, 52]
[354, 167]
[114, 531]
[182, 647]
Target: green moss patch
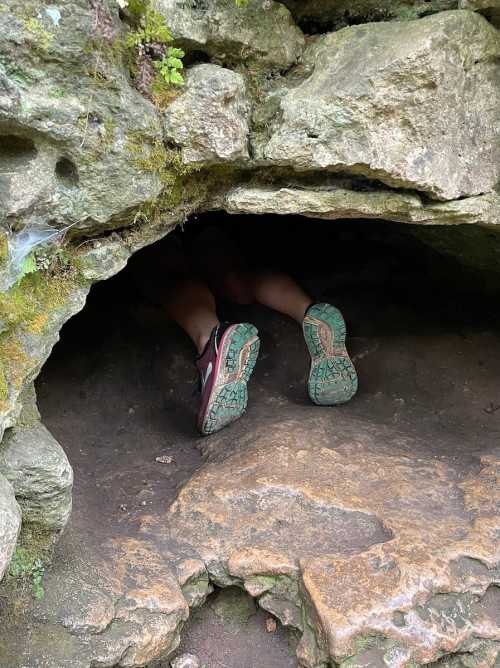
[26, 565]
[29, 302]
[172, 173]
[41, 38]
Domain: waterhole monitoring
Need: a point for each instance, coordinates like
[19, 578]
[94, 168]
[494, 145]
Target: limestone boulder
[209, 122]
[412, 104]
[40, 474]
[262, 34]
[10, 523]
[70, 118]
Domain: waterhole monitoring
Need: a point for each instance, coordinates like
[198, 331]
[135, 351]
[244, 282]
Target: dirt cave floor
[118, 392]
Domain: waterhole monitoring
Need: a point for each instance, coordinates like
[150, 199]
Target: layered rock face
[384, 115]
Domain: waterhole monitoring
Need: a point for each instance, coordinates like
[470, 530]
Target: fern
[170, 65]
[152, 29]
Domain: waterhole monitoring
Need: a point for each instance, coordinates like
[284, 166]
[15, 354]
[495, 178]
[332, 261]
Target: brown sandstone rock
[353, 538]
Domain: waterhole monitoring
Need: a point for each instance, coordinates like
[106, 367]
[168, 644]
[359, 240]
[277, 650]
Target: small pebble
[165, 459]
[186, 661]
[270, 625]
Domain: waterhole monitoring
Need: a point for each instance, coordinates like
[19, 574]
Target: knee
[238, 288]
[268, 283]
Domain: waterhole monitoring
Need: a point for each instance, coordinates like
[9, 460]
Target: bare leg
[192, 306]
[275, 290]
[219, 261]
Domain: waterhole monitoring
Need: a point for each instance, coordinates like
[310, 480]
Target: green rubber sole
[332, 377]
[229, 396]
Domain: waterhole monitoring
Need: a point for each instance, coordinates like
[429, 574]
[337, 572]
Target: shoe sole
[332, 377]
[235, 363]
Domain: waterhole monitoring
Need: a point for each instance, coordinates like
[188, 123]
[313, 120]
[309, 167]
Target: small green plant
[152, 28]
[170, 65]
[28, 266]
[25, 565]
[155, 66]
[44, 258]
[41, 37]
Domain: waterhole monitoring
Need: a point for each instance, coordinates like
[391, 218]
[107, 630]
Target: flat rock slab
[372, 535]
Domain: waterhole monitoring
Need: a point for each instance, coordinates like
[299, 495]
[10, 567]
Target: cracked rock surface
[374, 540]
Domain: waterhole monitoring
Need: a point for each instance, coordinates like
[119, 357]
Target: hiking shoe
[332, 377]
[225, 368]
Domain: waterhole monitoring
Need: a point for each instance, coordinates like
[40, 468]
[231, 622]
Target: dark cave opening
[122, 380]
[119, 390]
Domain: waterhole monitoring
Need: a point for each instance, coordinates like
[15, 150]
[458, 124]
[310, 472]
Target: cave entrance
[124, 375]
[118, 392]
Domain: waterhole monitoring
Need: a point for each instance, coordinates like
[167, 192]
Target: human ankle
[201, 343]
